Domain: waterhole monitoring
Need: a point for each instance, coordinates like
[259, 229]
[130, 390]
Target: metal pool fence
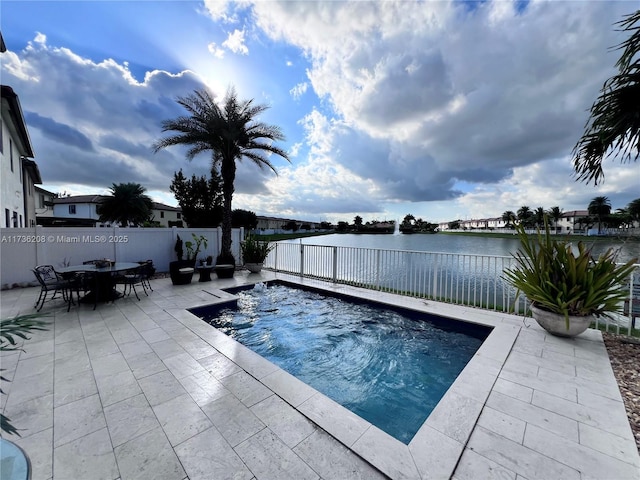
[461, 279]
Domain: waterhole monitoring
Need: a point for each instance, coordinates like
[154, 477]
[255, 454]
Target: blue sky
[440, 109]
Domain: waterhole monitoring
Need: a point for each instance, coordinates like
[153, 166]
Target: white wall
[21, 249]
[11, 191]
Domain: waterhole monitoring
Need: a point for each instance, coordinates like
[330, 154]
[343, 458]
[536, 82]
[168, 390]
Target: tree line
[599, 209]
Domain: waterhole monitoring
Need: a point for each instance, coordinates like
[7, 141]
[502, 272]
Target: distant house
[19, 174]
[271, 225]
[82, 211]
[44, 203]
[570, 221]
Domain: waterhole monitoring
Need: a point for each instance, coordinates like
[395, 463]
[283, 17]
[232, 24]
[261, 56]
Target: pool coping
[436, 448]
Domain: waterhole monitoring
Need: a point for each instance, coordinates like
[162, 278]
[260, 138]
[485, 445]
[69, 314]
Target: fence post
[116, 245]
[301, 259]
[378, 260]
[335, 264]
[39, 246]
[275, 266]
[435, 277]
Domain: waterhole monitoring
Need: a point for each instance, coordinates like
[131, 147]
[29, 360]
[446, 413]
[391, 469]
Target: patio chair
[51, 281]
[88, 283]
[130, 279]
[147, 270]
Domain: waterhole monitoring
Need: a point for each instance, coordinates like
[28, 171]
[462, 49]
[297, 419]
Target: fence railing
[461, 279]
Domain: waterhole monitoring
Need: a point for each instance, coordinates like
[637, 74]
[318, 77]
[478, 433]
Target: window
[42, 200]
[179, 216]
[15, 219]
[11, 153]
[72, 209]
[20, 221]
[161, 214]
[7, 218]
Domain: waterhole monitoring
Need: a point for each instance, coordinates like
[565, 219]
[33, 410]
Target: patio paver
[142, 389]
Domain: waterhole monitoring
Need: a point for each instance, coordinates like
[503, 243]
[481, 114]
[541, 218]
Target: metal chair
[147, 270]
[51, 281]
[130, 279]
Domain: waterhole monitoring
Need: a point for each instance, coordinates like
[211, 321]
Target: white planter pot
[556, 324]
[254, 267]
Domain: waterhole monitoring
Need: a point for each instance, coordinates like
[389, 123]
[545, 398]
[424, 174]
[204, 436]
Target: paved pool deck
[145, 390]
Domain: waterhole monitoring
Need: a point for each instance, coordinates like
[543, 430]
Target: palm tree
[127, 205]
[614, 123]
[556, 214]
[230, 132]
[539, 216]
[599, 206]
[509, 218]
[634, 209]
[524, 215]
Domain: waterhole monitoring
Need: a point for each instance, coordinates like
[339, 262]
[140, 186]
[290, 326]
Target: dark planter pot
[177, 277]
[225, 270]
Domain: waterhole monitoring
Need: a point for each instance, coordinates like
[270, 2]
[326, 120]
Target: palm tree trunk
[228, 172]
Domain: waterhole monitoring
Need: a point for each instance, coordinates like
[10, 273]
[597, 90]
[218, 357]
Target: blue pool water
[389, 366]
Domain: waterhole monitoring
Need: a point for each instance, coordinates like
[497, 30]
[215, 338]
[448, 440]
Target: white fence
[21, 249]
[473, 280]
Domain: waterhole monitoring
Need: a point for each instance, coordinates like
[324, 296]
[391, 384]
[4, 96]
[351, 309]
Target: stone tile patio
[143, 389]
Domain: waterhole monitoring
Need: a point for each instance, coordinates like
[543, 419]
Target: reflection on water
[462, 244]
[466, 270]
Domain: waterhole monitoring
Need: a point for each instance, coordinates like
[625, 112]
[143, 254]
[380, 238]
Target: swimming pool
[388, 365]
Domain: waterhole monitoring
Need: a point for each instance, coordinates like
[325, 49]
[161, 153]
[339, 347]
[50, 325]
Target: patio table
[205, 273]
[105, 290]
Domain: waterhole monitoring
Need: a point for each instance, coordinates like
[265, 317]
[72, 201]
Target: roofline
[32, 166]
[15, 110]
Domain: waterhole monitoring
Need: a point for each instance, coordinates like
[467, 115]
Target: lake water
[464, 244]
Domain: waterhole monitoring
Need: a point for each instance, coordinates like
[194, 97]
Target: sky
[440, 109]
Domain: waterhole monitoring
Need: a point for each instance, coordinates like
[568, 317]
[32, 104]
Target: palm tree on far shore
[539, 215]
[634, 209]
[525, 215]
[600, 207]
[231, 133]
[509, 218]
[128, 204]
[556, 214]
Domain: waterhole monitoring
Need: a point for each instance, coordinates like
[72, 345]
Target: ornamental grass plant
[255, 251]
[557, 279]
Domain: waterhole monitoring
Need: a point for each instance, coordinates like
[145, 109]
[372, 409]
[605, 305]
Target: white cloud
[99, 128]
[235, 42]
[216, 9]
[215, 50]
[432, 94]
[295, 149]
[298, 90]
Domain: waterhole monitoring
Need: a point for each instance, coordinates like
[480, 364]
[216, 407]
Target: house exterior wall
[11, 191]
[43, 199]
[164, 216]
[29, 195]
[18, 173]
[77, 210]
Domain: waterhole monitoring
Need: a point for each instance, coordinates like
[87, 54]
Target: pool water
[390, 367]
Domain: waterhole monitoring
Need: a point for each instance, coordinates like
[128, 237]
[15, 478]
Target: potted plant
[179, 269]
[225, 266]
[198, 241]
[254, 253]
[567, 290]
